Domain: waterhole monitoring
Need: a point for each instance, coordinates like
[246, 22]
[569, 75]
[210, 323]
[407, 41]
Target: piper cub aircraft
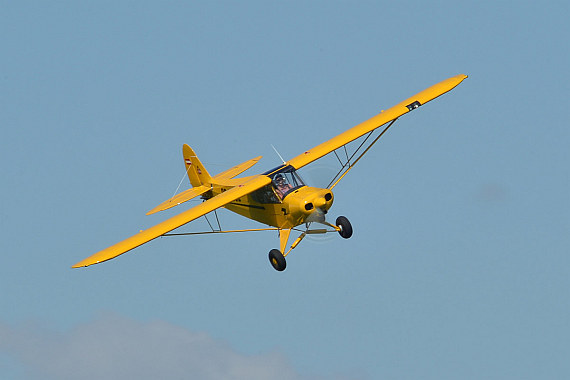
[278, 197]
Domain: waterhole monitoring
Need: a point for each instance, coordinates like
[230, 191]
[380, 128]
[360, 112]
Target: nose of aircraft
[317, 213]
[320, 202]
[309, 204]
[317, 203]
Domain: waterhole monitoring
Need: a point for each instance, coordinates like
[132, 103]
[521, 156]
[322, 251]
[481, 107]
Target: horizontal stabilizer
[238, 169]
[179, 198]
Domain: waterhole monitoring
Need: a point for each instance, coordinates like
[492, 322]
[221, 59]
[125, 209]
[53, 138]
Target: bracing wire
[181, 180]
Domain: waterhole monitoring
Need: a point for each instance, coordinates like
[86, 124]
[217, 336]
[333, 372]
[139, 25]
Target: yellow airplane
[278, 198]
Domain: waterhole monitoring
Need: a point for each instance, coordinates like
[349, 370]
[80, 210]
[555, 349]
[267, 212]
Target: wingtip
[84, 264]
[455, 80]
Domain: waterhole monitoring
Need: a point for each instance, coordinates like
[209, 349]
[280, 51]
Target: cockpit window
[286, 180]
[265, 195]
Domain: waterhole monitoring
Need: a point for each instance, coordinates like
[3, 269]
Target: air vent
[309, 206]
[328, 197]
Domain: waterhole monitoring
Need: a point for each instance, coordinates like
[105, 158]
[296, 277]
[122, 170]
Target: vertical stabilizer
[197, 173]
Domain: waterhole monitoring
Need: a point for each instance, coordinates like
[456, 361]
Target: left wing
[256, 182]
[376, 122]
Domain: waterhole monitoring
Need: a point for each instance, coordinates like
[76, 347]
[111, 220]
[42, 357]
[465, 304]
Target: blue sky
[458, 265]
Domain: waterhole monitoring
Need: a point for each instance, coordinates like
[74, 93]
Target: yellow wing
[376, 122]
[256, 182]
[180, 198]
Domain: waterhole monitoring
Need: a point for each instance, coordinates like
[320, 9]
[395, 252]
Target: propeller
[317, 216]
[319, 175]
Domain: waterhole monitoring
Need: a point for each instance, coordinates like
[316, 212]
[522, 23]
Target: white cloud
[114, 347]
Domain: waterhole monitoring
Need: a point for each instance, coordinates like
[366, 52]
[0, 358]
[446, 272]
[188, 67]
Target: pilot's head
[279, 179]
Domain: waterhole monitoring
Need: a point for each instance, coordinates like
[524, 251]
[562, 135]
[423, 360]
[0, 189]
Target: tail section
[197, 174]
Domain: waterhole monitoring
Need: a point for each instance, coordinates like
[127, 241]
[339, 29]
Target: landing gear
[345, 229]
[277, 259]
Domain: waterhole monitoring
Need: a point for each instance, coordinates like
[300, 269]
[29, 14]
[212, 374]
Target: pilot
[282, 186]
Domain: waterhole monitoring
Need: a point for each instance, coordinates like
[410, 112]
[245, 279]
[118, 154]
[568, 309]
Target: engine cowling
[305, 201]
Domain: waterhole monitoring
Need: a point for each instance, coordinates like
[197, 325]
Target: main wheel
[345, 227]
[277, 259]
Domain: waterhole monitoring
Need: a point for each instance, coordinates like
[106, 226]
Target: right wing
[376, 122]
[256, 182]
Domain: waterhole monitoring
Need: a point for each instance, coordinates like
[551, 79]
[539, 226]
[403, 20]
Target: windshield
[286, 180]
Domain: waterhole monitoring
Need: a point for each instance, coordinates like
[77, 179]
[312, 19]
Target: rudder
[197, 173]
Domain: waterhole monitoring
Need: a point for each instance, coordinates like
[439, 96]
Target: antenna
[278, 153]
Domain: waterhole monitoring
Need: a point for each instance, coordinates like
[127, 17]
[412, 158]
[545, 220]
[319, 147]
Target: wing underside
[168, 225]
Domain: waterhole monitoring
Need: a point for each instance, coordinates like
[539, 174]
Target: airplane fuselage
[294, 209]
[285, 203]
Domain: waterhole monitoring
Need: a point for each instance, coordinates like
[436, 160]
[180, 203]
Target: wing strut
[217, 220]
[347, 165]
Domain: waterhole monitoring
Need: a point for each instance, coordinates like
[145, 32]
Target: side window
[264, 195]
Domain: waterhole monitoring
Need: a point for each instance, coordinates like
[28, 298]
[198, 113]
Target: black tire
[345, 227]
[277, 260]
